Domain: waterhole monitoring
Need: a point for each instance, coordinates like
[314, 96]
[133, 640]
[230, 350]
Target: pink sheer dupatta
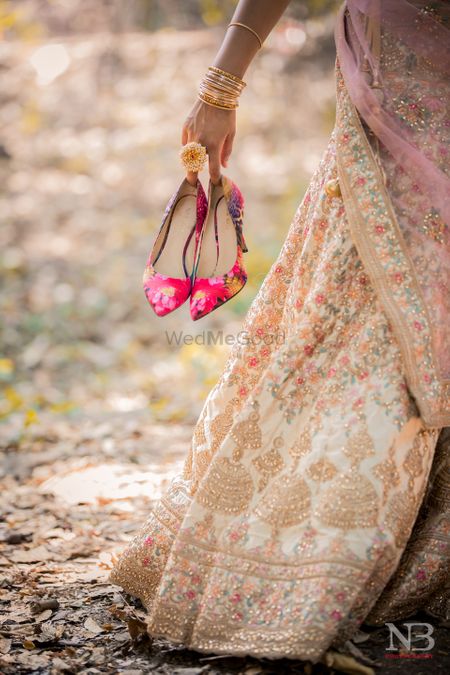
[393, 62]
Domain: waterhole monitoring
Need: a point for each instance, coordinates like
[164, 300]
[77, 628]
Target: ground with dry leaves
[69, 505]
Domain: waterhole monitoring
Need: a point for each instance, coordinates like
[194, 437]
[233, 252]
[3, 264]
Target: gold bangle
[217, 91]
[243, 25]
[221, 92]
[220, 99]
[220, 88]
[212, 101]
[215, 69]
[222, 84]
[219, 103]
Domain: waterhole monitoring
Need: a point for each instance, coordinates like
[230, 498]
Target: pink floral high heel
[167, 277]
[218, 278]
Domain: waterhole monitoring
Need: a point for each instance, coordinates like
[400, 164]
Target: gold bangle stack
[220, 88]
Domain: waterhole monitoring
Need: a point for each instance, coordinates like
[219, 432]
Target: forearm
[240, 45]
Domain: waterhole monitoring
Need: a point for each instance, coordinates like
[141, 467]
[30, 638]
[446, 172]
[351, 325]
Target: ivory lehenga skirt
[313, 497]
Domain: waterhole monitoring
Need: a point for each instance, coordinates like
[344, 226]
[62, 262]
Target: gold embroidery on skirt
[247, 435]
[350, 501]
[322, 470]
[229, 487]
[388, 473]
[288, 503]
[413, 462]
[221, 425]
[199, 436]
[270, 463]
[359, 446]
[300, 448]
[187, 472]
[399, 517]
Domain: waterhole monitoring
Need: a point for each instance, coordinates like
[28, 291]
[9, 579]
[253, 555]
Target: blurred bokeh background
[93, 97]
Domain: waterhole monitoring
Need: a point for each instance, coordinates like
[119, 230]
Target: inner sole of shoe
[207, 266]
[183, 218]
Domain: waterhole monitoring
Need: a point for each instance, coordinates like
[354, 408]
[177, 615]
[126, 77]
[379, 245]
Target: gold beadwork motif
[229, 487]
[398, 517]
[413, 463]
[247, 434]
[199, 437]
[300, 448]
[269, 463]
[288, 503]
[434, 226]
[220, 426]
[350, 501]
[359, 447]
[322, 470]
[388, 473]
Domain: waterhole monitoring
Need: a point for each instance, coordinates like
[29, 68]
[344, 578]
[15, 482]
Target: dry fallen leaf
[360, 636]
[43, 616]
[28, 644]
[358, 654]
[136, 627]
[5, 645]
[345, 664]
[37, 554]
[59, 664]
[92, 626]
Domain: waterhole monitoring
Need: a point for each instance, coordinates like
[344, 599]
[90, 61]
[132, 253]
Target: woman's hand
[215, 129]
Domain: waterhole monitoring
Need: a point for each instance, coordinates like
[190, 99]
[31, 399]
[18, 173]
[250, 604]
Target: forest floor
[69, 504]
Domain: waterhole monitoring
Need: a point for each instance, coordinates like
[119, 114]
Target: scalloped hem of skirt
[220, 648]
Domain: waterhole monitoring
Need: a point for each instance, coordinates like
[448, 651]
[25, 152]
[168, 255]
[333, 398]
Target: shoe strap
[185, 248]
[216, 230]
[237, 221]
[240, 238]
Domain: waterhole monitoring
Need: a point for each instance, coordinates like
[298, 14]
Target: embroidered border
[380, 244]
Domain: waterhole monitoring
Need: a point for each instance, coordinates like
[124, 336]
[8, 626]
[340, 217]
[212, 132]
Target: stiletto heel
[167, 277]
[218, 278]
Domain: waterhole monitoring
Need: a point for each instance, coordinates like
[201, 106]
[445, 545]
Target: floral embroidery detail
[382, 247]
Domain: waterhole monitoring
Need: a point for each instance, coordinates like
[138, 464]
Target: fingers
[226, 149]
[192, 177]
[186, 137]
[214, 164]
[216, 154]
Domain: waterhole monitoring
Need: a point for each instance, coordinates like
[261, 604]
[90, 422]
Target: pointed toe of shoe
[205, 298]
[164, 294]
[210, 293]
